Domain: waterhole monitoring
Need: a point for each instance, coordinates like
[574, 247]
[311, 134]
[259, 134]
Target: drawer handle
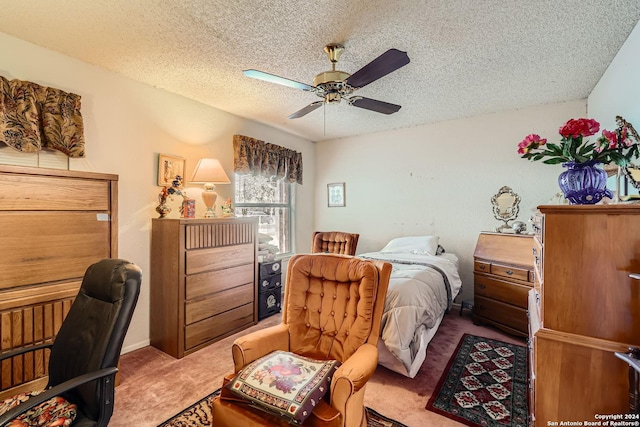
[482, 286]
[509, 272]
[535, 252]
[482, 267]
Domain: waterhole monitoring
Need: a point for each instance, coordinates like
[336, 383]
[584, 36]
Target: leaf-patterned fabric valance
[33, 117]
[261, 158]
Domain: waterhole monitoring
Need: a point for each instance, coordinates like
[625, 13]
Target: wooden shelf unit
[203, 281]
[583, 308]
[55, 224]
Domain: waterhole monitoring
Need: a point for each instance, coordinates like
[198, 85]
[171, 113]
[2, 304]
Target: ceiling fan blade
[306, 110]
[261, 75]
[374, 105]
[389, 61]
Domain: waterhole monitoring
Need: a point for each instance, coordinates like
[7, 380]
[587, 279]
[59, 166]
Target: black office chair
[85, 353]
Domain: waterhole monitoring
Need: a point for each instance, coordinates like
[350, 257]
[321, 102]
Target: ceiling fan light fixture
[333, 86]
[333, 76]
[333, 98]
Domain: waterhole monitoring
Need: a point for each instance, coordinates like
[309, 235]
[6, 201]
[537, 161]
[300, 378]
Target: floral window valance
[261, 158]
[33, 117]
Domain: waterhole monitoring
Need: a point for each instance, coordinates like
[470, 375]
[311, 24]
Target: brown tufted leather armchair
[334, 242]
[332, 310]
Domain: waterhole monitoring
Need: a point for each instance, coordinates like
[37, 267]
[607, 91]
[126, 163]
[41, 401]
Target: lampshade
[209, 172]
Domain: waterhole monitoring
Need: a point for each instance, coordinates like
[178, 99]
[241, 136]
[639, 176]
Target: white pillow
[420, 245]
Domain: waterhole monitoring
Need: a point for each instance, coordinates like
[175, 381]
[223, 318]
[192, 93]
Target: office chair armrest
[23, 350]
[252, 346]
[354, 372]
[56, 391]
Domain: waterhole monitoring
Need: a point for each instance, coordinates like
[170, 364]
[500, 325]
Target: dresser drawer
[538, 262]
[511, 272]
[269, 302]
[533, 307]
[500, 290]
[200, 260]
[201, 284]
[269, 268]
[538, 227]
[270, 282]
[500, 312]
[532, 378]
[213, 327]
[482, 266]
[200, 309]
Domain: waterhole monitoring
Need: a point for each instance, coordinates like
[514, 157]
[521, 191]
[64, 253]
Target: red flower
[616, 146]
[530, 142]
[609, 139]
[285, 370]
[580, 127]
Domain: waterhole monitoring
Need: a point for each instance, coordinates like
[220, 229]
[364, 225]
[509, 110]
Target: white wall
[438, 179]
[618, 91]
[126, 125]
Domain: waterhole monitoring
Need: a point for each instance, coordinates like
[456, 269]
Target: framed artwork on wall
[336, 195]
[168, 167]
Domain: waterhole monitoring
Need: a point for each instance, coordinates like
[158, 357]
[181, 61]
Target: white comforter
[417, 296]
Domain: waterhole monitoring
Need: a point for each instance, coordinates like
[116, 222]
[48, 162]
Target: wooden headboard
[54, 224]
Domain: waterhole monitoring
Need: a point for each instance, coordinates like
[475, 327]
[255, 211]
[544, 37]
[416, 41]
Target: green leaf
[554, 161]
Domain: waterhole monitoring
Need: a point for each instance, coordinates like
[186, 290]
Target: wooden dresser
[203, 281]
[55, 224]
[583, 308]
[503, 276]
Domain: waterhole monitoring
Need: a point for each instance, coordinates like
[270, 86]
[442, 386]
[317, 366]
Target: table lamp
[209, 172]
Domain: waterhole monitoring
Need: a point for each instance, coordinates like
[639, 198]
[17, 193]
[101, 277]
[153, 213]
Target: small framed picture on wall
[336, 195]
[168, 167]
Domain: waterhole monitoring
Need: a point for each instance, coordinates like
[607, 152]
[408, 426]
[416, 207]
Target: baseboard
[136, 346]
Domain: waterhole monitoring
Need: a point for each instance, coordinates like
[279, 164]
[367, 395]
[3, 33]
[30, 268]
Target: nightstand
[269, 288]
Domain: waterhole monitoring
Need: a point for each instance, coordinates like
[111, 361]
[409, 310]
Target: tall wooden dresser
[203, 281]
[583, 308]
[55, 224]
[503, 276]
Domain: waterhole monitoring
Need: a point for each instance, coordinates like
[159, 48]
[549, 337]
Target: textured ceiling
[468, 57]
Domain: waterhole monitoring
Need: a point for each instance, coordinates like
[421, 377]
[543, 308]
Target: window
[270, 200]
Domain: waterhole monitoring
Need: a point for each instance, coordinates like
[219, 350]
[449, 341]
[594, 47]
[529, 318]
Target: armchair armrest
[57, 390]
[23, 350]
[252, 346]
[354, 373]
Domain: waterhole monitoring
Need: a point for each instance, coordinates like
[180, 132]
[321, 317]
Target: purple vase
[584, 183]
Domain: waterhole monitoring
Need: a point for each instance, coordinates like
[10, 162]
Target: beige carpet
[155, 386]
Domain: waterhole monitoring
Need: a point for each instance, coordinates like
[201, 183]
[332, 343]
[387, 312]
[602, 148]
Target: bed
[424, 282]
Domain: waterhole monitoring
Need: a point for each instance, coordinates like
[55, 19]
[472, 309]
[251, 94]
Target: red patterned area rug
[485, 384]
[199, 415]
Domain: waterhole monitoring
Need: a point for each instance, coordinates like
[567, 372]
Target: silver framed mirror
[506, 207]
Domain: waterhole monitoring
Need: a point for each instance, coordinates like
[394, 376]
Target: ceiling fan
[334, 86]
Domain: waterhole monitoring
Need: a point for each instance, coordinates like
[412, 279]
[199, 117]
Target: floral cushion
[55, 412]
[284, 383]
